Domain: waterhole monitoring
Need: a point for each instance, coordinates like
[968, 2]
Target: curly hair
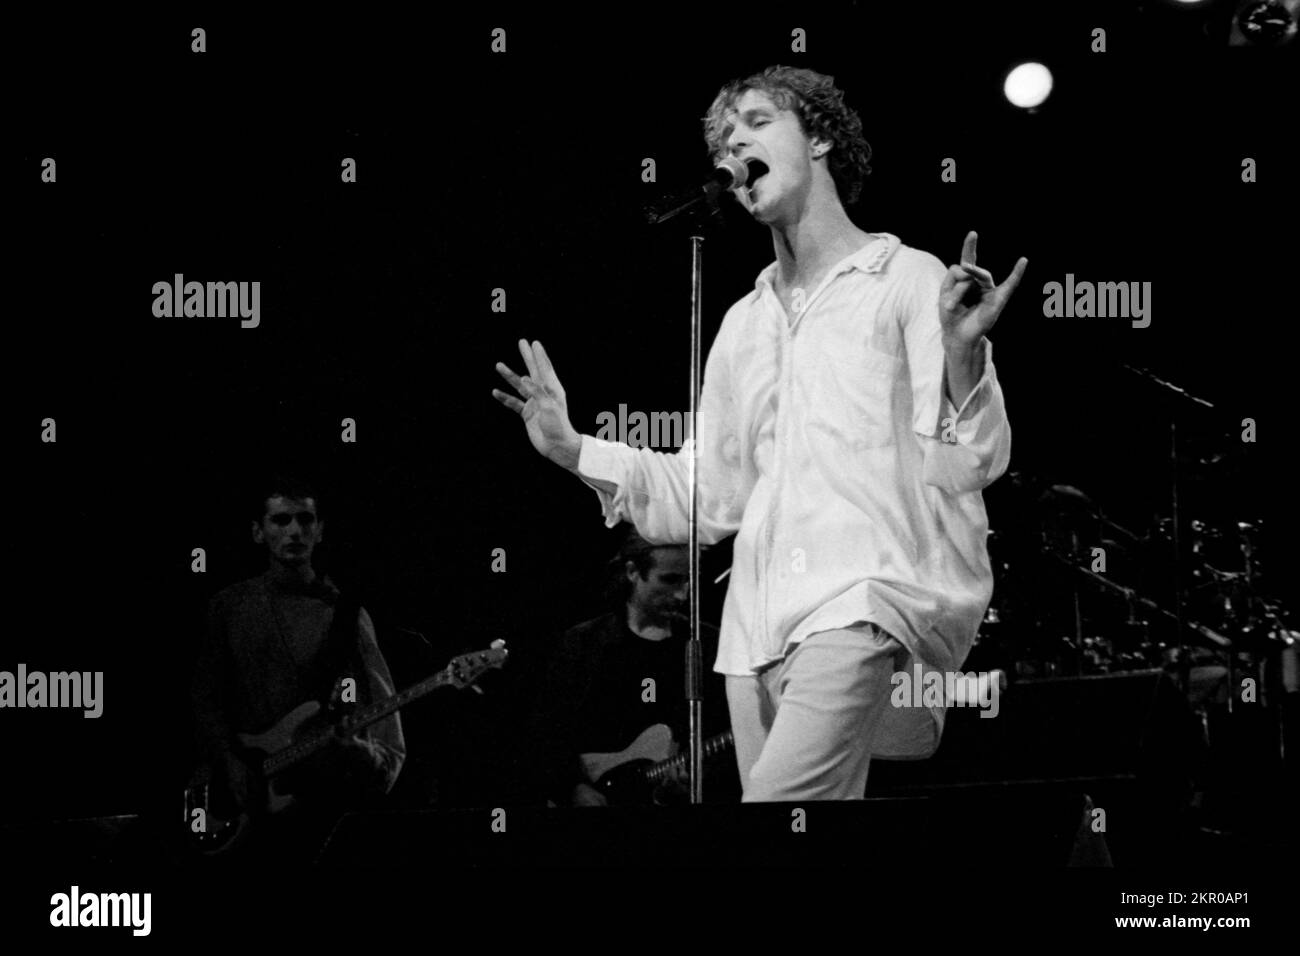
[822, 114]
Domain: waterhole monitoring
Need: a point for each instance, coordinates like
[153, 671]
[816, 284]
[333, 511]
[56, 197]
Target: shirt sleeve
[967, 448]
[653, 488]
[384, 738]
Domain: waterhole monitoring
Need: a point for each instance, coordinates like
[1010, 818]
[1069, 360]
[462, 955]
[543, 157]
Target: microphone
[730, 173]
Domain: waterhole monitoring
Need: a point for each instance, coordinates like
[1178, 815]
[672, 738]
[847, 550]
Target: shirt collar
[870, 258]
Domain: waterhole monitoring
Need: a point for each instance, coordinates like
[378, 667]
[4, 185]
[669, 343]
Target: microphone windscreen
[731, 172]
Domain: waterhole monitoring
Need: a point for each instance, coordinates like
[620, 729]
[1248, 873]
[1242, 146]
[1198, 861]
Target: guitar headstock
[463, 671]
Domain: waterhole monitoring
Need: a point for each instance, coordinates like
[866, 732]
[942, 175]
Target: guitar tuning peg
[497, 644]
[476, 689]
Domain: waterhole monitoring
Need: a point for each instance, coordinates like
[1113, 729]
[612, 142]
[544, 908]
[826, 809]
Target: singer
[850, 415]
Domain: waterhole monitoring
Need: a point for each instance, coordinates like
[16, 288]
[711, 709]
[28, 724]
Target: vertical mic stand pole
[694, 653]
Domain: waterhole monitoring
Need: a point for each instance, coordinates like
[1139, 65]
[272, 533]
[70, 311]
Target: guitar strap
[342, 649]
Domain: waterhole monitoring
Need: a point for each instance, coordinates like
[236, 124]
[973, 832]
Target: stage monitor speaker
[1134, 726]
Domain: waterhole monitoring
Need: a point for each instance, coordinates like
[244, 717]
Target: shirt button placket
[784, 417]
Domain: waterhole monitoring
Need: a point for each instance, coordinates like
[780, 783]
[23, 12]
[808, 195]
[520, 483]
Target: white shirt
[822, 447]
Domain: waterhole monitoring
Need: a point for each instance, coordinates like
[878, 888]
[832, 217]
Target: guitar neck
[712, 747]
[302, 749]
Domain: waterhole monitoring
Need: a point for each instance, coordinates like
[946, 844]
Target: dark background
[522, 171]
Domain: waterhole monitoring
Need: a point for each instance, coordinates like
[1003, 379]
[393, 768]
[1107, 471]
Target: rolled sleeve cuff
[978, 399]
[977, 448]
[600, 460]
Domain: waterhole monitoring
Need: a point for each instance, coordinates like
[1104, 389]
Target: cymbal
[1067, 494]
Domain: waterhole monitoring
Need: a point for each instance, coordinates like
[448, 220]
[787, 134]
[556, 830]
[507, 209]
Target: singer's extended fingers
[1017, 274]
[954, 288]
[954, 277]
[522, 384]
[544, 365]
[509, 401]
[984, 277]
[968, 247]
[526, 351]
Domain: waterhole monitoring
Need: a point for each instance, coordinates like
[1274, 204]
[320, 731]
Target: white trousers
[804, 727]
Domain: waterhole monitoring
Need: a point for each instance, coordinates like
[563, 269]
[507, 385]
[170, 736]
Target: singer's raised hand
[542, 406]
[969, 300]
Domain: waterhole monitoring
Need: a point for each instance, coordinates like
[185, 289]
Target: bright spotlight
[1264, 23]
[1028, 85]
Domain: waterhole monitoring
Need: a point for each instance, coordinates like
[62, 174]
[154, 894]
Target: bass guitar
[298, 735]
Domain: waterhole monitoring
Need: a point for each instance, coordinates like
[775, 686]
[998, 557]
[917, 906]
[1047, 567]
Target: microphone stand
[701, 203]
[694, 647]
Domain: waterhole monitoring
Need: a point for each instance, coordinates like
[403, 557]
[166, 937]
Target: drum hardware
[1203, 572]
[1208, 637]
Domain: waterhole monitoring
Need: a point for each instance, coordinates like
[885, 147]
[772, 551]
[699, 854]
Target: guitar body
[654, 744]
[222, 836]
[626, 785]
[621, 776]
[644, 771]
[305, 731]
[266, 796]
[257, 747]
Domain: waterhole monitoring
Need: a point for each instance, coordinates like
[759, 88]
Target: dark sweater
[265, 652]
[593, 697]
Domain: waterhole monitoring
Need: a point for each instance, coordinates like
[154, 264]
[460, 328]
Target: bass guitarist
[280, 639]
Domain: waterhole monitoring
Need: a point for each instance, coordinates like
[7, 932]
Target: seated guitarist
[595, 698]
[281, 639]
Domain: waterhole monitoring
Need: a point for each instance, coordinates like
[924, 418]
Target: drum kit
[1077, 594]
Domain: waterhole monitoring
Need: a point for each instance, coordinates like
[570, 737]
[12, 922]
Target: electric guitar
[299, 734]
[631, 774]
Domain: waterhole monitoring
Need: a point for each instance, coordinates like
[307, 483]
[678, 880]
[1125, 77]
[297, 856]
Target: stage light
[1241, 23]
[1264, 23]
[1028, 85]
